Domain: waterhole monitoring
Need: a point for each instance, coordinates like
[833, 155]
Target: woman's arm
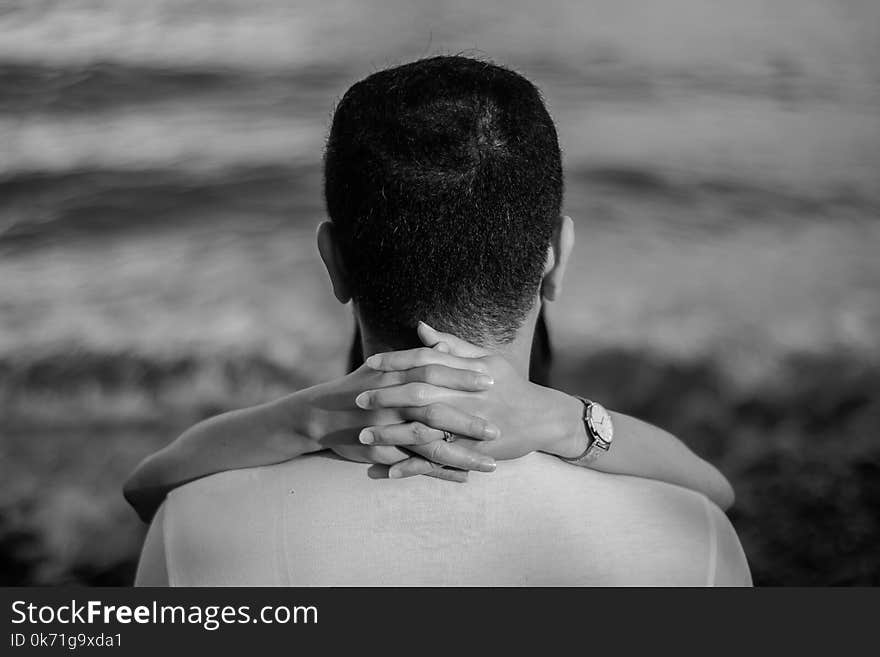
[224, 442]
[320, 417]
[640, 449]
[648, 451]
[449, 396]
[536, 418]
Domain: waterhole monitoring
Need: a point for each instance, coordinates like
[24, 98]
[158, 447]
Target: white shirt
[537, 521]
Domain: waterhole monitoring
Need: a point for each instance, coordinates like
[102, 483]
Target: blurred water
[787, 89]
[160, 183]
[704, 141]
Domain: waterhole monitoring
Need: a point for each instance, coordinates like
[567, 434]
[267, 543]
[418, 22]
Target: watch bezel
[599, 440]
[595, 442]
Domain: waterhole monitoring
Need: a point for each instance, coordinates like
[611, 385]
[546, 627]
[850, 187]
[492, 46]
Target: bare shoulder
[693, 520]
[730, 566]
[211, 503]
[152, 568]
[214, 522]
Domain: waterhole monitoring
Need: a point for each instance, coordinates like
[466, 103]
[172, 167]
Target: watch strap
[592, 451]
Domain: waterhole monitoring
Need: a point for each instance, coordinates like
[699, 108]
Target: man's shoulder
[579, 491]
[613, 528]
[235, 499]
[642, 530]
[226, 518]
[250, 482]
[218, 483]
[595, 488]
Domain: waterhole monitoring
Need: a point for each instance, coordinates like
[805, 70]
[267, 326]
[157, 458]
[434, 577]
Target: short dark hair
[443, 179]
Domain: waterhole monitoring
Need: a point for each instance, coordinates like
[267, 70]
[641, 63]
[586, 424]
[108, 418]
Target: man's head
[443, 182]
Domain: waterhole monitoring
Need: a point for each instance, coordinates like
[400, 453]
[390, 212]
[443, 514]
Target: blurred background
[160, 184]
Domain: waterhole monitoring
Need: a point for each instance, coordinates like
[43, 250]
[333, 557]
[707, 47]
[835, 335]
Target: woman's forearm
[224, 442]
[649, 451]
[643, 450]
[297, 424]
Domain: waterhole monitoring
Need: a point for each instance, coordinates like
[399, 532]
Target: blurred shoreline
[42, 207]
[75, 426]
[160, 184]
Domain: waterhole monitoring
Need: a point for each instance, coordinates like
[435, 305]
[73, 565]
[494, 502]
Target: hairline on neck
[518, 351]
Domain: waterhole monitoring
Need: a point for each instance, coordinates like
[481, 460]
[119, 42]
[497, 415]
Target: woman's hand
[395, 410]
[530, 417]
[534, 418]
[321, 417]
[338, 412]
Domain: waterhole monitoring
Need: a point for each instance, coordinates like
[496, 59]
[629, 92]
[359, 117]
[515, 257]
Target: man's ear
[557, 258]
[329, 250]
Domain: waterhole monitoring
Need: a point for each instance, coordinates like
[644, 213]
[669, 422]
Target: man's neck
[518, 351]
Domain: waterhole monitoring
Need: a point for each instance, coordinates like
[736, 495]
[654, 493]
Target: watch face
[600, 420]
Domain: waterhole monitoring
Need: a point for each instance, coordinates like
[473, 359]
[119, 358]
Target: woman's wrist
[565, 432]
[294, 424]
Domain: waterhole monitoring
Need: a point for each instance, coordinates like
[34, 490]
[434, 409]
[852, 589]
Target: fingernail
[427, 326]
[491, 432]
[374, 361]
[366, 437]
[362, 400]
[484, 381]
[486, 466]
[394, 474]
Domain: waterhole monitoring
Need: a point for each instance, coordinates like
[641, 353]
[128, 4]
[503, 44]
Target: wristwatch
[600, 432]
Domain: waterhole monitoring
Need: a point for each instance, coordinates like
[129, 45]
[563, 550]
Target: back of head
[443, 180]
